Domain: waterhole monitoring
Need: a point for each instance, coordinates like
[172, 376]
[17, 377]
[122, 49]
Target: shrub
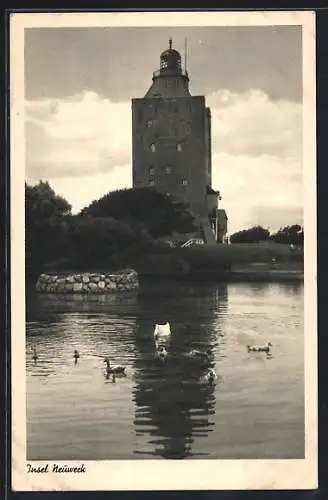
[252, 235]
[154, 210]
[106, 242]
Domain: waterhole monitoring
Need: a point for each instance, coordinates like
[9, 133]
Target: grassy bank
[221, 260]
[245, 262]
[241, 253]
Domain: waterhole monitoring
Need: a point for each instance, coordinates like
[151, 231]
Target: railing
[192, 241]
[173, 72]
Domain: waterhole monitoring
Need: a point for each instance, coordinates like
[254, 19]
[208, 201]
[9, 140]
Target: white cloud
[82, 145]
[80, 191]
[79, 135]
[250, 123]
[256, 189]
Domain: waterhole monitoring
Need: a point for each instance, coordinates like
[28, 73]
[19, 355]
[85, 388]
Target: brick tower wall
[170, 147]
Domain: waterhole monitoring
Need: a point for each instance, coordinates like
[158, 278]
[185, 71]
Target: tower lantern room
[170, 61]
[170, 70]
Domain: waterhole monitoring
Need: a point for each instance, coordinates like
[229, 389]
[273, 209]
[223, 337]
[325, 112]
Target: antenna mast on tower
[185, 61]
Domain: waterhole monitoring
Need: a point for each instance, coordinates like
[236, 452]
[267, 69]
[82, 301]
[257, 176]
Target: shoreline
[227, 277]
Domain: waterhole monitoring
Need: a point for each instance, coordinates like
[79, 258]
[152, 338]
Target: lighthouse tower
[171, 142]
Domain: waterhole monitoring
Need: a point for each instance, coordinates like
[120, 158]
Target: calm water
[164, 409]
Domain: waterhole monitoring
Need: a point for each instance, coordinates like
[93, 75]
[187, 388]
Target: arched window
[152, 148]
[168, 170]
[179, 148]
[184, 182]
[151, 170]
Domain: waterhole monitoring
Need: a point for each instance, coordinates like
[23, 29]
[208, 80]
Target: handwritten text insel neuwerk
[59, 469]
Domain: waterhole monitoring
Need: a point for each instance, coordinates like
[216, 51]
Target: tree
[46, 217]
[156, 211]
[289, 235]
[252, 235]
[106, 242]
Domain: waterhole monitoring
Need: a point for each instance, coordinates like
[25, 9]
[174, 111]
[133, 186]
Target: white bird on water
[162, 331]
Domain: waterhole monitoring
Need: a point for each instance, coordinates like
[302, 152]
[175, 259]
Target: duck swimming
[35, 355]
[264, 348]
[195, 353]
[117, 370]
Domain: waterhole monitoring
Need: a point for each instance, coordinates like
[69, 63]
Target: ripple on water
[163, 409]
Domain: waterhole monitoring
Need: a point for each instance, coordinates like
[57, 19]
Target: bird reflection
[175, 399]
[292, 288]
[110, 376]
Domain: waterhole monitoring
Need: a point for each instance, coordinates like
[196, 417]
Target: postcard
[163, 292]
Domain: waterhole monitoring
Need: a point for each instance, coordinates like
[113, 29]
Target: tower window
[179, 148]
[184, 182]
[149, 123]
[168, 170]
[152, 148]
[151, 171]
[163, 63]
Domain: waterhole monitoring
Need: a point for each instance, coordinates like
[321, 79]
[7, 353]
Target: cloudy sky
[78, 88]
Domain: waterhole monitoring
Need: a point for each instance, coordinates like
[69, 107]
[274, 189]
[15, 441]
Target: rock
[87, 282]
[77, 287]
[111, 285]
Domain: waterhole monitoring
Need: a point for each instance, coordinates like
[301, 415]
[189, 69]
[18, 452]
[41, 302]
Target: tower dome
[170, 80]
[170, 61]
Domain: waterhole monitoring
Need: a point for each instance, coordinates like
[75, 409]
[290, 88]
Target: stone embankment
[88, 282]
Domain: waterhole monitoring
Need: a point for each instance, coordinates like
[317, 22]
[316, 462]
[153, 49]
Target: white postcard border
[162, 474]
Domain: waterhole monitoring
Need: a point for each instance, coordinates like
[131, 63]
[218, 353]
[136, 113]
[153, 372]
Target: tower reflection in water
[173, 404]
